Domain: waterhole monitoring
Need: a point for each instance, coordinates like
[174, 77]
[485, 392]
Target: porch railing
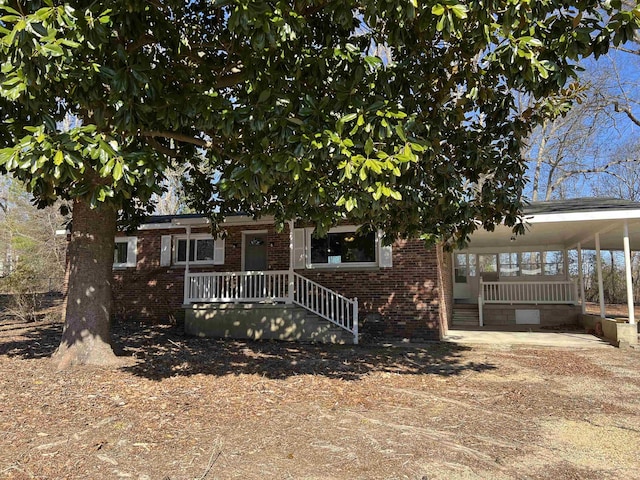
[563, 292]
[277, 286]
[511, 293]
[327, 304]
[237, 286]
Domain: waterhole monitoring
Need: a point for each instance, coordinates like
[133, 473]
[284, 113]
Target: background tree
[570, 155]
[293, 108]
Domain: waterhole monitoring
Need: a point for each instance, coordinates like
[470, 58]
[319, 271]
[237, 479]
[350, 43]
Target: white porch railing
[237, 286]
[327, 304]
[559, 292]
[563, 292]
[276, 286]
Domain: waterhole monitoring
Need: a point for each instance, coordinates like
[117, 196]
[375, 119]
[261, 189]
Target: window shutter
[165, 251]
[132, 248]
[385, 254]
[218, 251]
[299, 251]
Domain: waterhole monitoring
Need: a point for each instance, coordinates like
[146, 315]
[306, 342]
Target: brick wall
[406, 297]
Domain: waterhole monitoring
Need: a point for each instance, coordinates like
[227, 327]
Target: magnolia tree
[397, 115]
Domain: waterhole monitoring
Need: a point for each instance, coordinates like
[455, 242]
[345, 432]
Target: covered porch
[537, 279]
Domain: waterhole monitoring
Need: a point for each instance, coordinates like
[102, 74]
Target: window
[553, 262]
[124, 253]
[530, 263]
[509, 265]
[465, 265]
[202, 249]
[344, 246]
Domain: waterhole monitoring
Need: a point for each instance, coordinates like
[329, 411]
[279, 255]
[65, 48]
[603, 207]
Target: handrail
[327, 304]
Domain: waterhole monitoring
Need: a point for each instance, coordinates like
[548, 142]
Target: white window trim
[132, 251]
[338, 266]
[196, 237]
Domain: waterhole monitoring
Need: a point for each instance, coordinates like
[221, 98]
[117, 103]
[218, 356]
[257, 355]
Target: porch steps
[465, 315]
[323, 331]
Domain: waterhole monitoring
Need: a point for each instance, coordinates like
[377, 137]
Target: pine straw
[186, 408]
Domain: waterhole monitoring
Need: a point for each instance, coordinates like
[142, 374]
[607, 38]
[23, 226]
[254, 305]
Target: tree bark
[86, 338]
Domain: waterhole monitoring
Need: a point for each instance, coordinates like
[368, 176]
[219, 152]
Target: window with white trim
[125, 251]
[342, 246]
[553, 262]
[202, 249]
[509, 264]
[464, 266]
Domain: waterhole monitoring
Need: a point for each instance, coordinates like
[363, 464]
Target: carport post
[600, 282]
[581, 278]
[627, 271]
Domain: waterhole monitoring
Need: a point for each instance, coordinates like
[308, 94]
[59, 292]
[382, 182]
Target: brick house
[258, 283]
[255, 282]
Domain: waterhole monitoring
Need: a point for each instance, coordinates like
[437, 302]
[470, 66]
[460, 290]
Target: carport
[526, 279]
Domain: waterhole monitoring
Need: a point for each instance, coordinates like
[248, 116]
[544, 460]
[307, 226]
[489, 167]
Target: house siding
[406, 298]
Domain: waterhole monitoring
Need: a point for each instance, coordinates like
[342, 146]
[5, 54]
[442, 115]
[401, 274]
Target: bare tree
[569, 155]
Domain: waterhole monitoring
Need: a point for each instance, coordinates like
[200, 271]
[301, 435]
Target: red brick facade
[412, 299]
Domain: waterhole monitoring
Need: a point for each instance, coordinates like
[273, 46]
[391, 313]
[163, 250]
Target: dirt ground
[185, 408]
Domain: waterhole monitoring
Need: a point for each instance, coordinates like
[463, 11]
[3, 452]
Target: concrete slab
[537, 338]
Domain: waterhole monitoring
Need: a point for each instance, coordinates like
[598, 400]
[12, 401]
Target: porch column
[186, 267]
[627, 271]
[291, 261]
[581, 279]
[600, 282]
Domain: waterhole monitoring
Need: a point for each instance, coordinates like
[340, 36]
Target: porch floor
[524, 335]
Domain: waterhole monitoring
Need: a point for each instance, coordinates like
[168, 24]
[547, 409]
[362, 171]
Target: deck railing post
[355, 321]
[187, 280]
[290, 288]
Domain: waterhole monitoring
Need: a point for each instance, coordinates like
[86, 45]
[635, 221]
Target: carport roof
[565, 223]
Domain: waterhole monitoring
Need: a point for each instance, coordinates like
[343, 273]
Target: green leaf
[459, 10]
[437, 9]
[58, 158]
[117, 170]
[368, 147]
[349, 118]
[264, 95]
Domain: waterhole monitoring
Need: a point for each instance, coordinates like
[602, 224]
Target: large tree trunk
[86, 337]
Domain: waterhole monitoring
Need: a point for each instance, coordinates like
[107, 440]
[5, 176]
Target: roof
[169, 218]
[579, 205]
[561, 224]
[555, 224]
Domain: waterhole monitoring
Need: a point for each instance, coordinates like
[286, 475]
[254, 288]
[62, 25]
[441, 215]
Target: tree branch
[230, 80]
[178, 137]
[628, 112]
[153, 143]
[628, 50]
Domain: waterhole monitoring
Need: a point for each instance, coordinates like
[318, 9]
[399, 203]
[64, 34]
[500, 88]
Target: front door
[255, 252]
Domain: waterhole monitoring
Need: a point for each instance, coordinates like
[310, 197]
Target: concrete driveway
[487, 336]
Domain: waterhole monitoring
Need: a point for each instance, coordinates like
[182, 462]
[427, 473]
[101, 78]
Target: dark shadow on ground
[30, 339]
[164, 351]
